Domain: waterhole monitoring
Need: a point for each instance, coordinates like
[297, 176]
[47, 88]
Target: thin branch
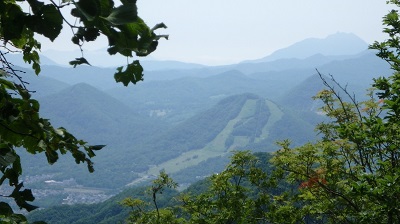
[8, 68]
[59, 7]
[363, 159]
[18, 133]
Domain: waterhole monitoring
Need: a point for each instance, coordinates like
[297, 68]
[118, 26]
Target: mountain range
[187, 118]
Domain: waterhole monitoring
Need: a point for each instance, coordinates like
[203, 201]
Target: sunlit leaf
[7, 84]
[7, 159]
[123, 14]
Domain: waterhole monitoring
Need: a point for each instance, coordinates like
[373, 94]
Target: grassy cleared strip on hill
[276, 115]
[213, 149]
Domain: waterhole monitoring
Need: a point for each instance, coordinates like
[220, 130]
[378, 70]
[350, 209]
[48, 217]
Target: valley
[218, 147]
[187, 119]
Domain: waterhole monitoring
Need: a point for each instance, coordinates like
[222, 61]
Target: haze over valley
[185, 118]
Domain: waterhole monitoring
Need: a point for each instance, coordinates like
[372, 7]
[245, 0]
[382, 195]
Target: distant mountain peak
[339, 43]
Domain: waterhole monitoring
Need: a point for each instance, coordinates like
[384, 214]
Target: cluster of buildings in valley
[67, 191]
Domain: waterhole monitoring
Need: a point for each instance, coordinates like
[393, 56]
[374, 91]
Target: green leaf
[52, 156]
[75, 39]
[7, 159]
[27, 195]
[91, 34]
[89, 165]
[36, 6]
[33, 57]
[96, 147]
[158, 26]
[112, 50]
[18, 218]
[87, 8]
[27, 206]
[90, 149]
[12, 175]
[48, 22]
[23, 92]
[79, 61]
[5, 209]
[133, 73]
[123, 14]
[7, 84]
[12, 23]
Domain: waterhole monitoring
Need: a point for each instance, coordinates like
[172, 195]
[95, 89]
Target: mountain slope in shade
[99, 119]
[300, 97]
[39, 85]
[353, 74]
[335, 44]
[357, 72]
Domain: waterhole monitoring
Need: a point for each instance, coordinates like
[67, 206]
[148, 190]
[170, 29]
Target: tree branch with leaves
[21, 125]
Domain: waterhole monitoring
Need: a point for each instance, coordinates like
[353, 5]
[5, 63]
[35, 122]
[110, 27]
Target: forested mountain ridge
[186, 125]
[237, 122]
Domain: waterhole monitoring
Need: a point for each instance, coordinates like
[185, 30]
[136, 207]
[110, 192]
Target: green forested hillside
[139, 146]
[239, 122]
[110, 211]
[99, 119]
[195, 133]
[95, 115]
[299, 98]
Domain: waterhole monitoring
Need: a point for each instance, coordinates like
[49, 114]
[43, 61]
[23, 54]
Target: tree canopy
[21, 126]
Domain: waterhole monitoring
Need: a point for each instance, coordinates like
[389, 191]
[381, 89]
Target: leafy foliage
[351, 175]
[21, 125]
[239, 194]
[228, 199]
[126, 32]
[140, 209]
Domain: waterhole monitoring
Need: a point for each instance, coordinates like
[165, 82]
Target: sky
[216, 32]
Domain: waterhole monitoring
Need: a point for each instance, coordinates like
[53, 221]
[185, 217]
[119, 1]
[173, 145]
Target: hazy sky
[227, 31]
